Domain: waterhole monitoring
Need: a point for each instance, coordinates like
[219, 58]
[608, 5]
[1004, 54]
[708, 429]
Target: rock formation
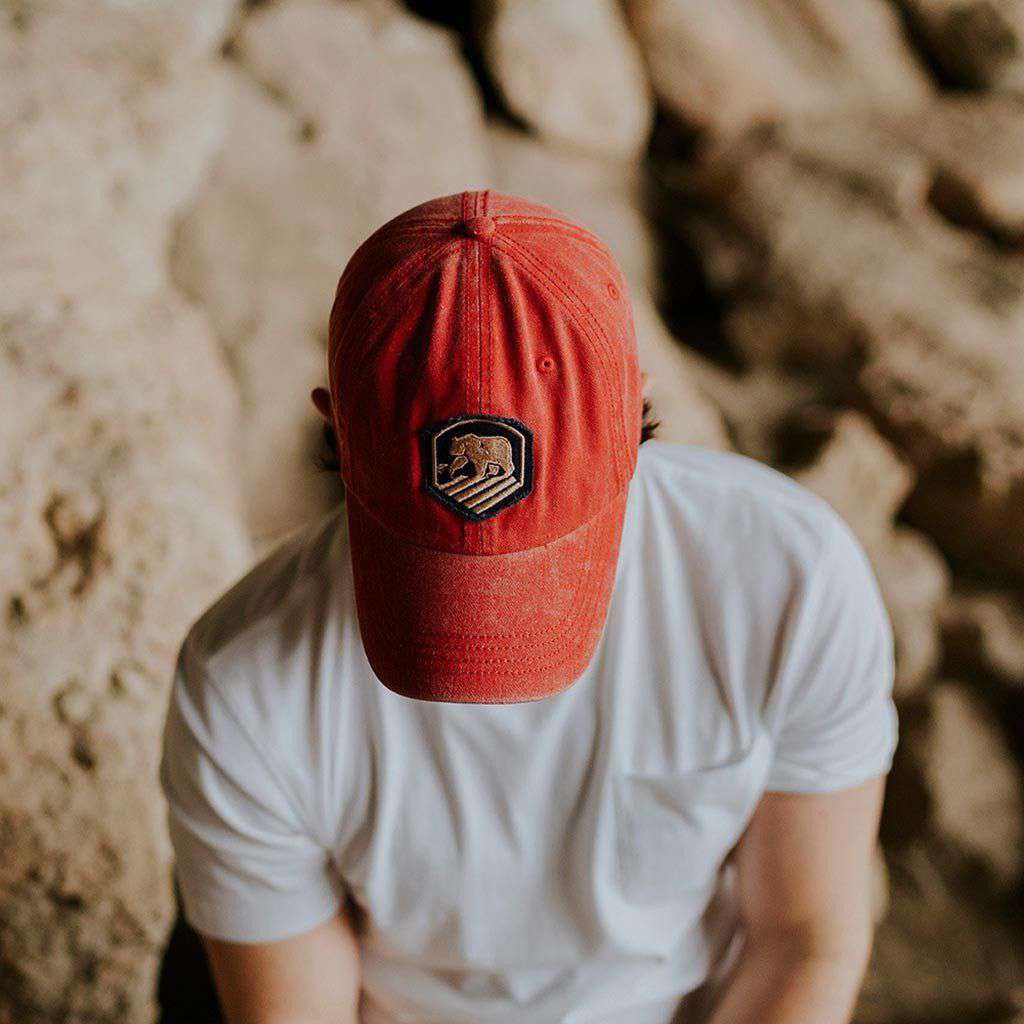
[822, 224]
[724, 66]
[845, 249]
[571, 71]
[117, 488]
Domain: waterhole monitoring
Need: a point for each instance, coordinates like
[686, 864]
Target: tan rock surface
[975, 150]
[117, 491]
[342, 116]
[863, 260]
[938, 955]
[725, 65]
[755, 404]
[117, 496]
[834, 256]
[974, 783]
[684, 412]
[861, 476]
[571, 70]
[977, 43]
[108, 118]
[984, 631]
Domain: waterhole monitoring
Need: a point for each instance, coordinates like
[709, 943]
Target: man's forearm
[780, 980]
[312, 978]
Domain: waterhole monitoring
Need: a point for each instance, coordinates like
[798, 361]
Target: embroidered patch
[478, 465]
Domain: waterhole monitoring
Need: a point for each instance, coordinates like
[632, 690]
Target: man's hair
[327, 459]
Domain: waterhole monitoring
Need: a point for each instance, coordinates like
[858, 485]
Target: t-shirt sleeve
[248, 867]
[832, 714]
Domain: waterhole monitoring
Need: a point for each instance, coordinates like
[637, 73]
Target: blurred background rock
[820, 205]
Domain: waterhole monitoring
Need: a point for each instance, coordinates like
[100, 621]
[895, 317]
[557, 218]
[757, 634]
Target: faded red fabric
[484, 304]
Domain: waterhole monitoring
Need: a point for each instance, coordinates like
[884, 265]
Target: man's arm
[250, 867]
[312, 978]
[804, 874]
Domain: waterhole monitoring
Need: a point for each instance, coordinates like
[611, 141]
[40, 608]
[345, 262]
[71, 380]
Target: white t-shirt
[556, 861]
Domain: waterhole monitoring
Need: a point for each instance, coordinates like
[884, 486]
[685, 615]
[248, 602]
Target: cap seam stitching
[468, 209]
[486, 382]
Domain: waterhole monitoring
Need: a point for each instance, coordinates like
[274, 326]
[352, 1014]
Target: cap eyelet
[613, 291]
[479, 227]
[545, 364]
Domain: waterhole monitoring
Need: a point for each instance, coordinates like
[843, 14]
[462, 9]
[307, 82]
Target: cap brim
[482, 629]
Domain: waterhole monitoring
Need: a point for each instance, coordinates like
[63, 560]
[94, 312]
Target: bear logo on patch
[478, 465]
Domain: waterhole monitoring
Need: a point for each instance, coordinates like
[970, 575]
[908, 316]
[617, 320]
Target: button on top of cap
[479, 227]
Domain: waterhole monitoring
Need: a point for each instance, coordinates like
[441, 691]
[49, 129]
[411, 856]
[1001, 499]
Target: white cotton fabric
[557, 861]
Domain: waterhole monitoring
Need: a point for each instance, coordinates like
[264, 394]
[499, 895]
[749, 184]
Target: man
[587, 732]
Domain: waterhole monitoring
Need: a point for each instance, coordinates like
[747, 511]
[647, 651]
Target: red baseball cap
[486, 399]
